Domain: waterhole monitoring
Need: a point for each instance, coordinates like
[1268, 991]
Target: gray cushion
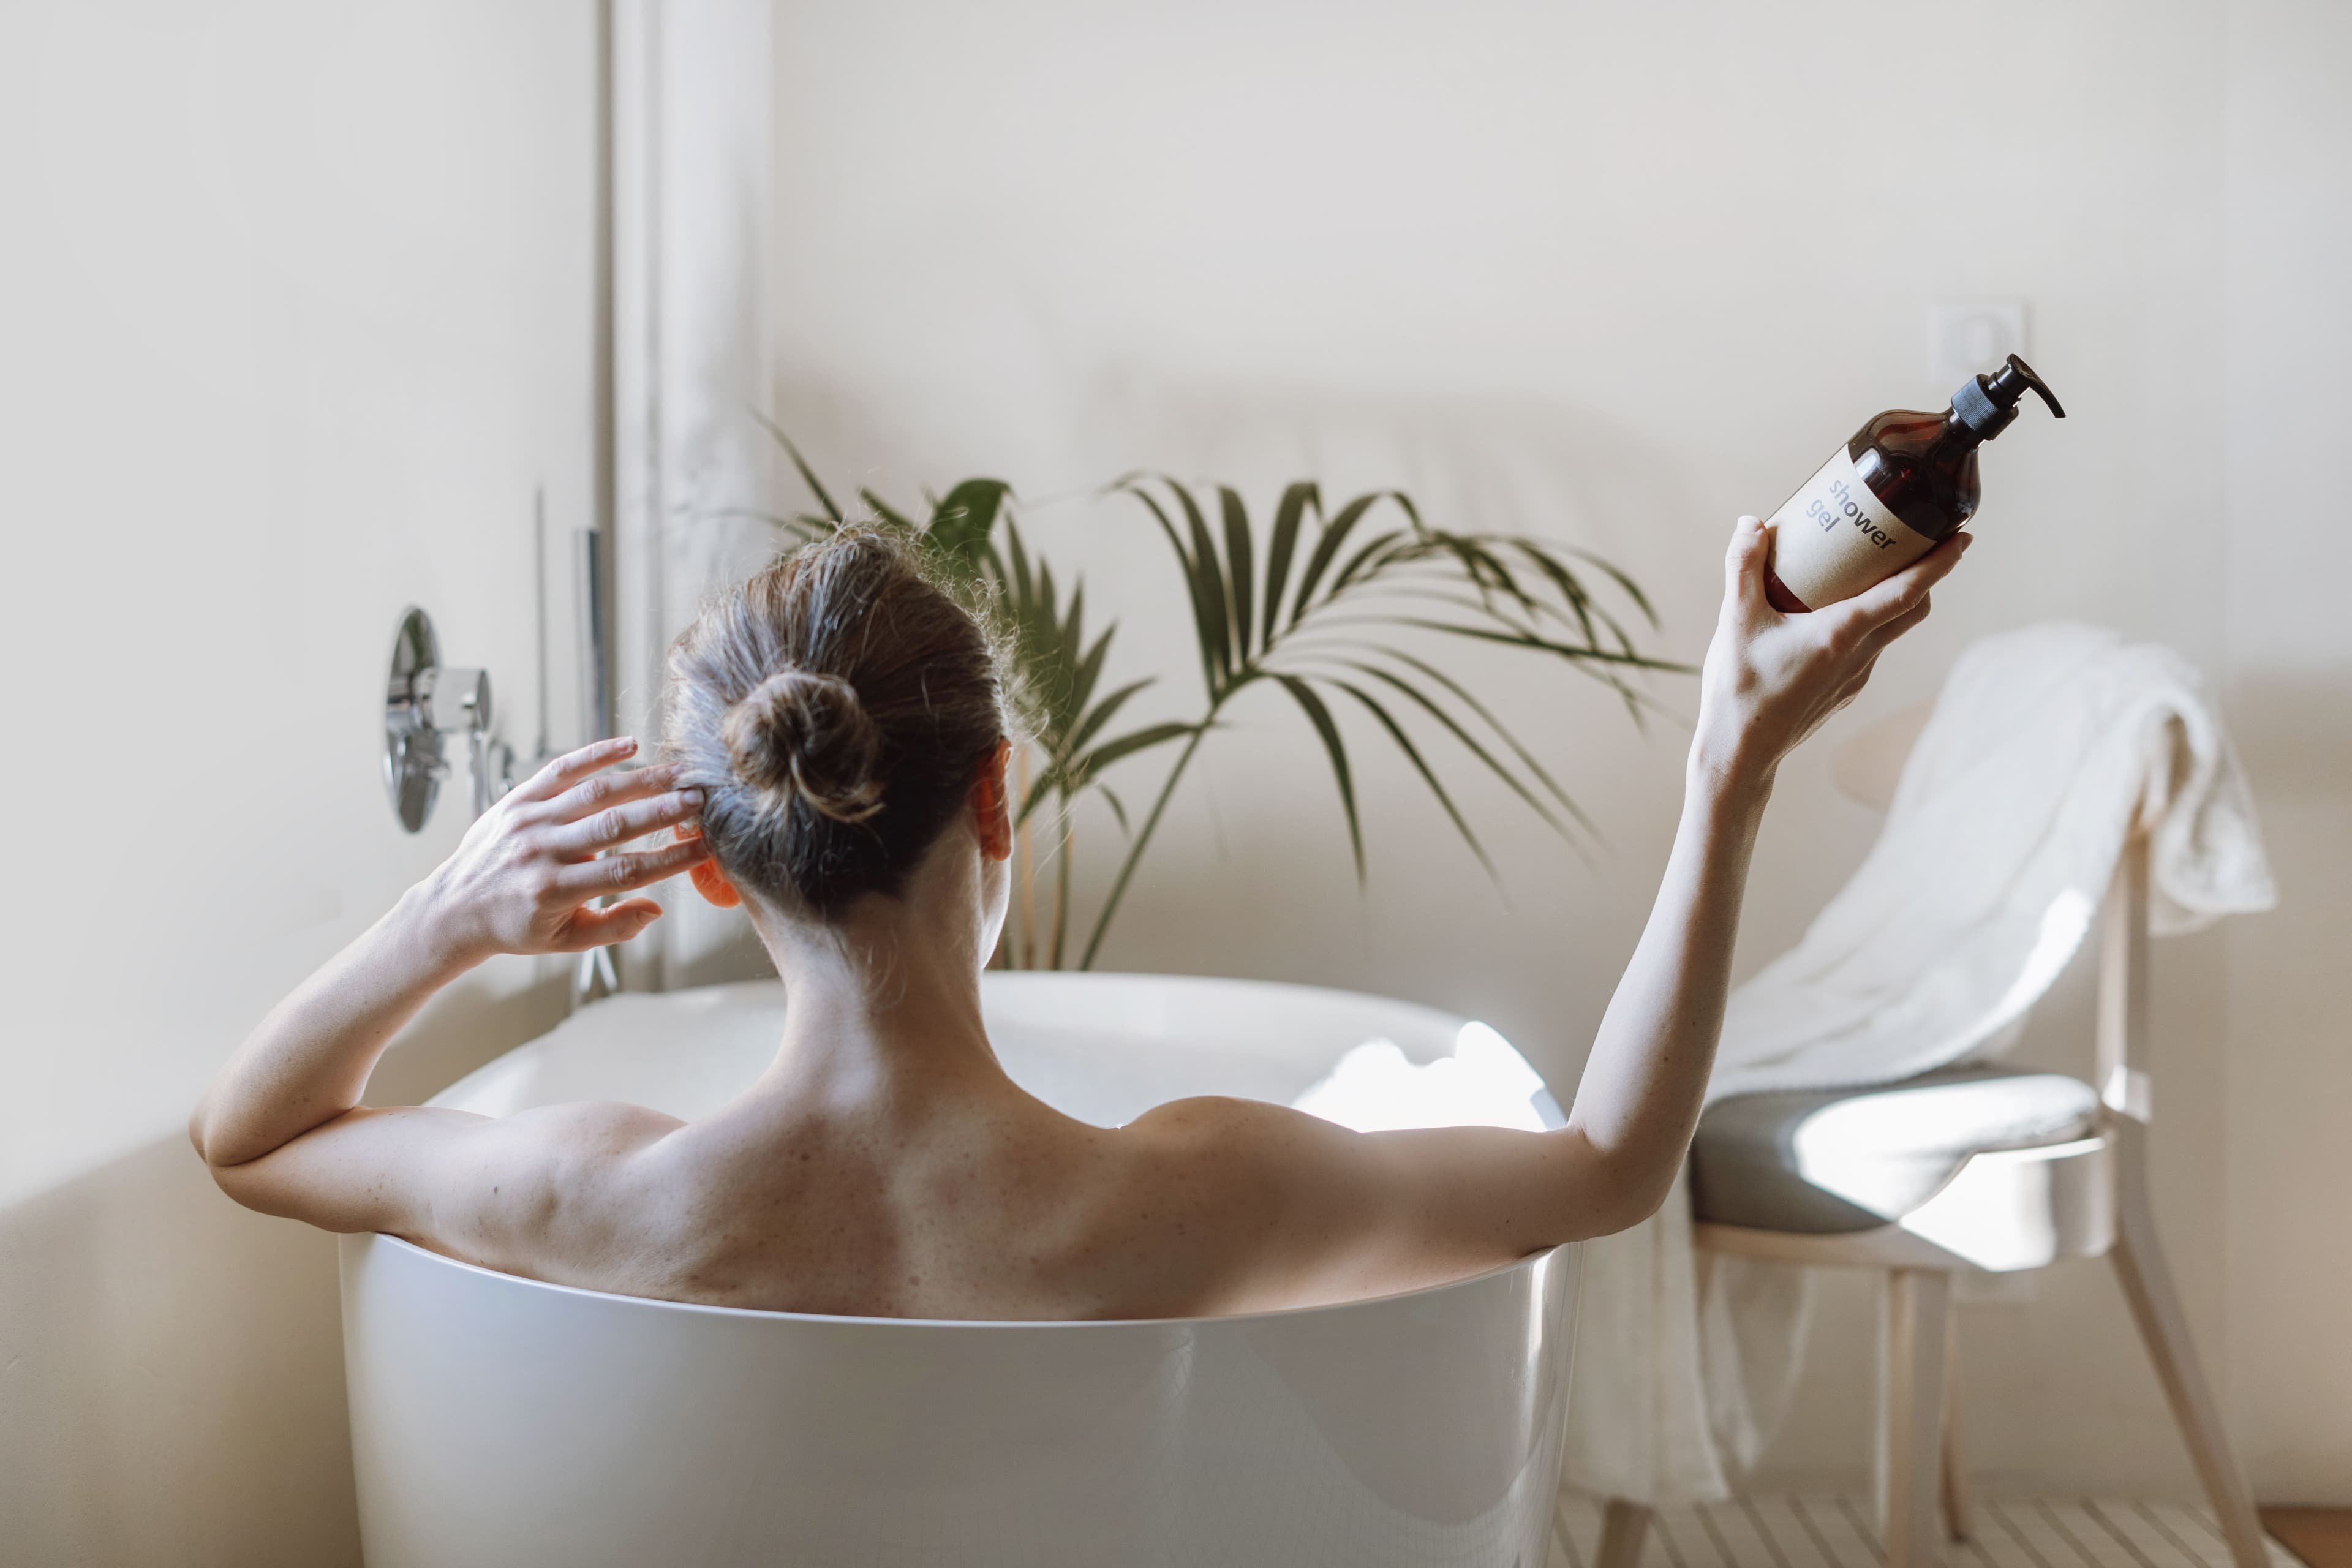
[1821, 1162]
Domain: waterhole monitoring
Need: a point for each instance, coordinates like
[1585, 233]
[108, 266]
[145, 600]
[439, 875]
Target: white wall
[296, 314]
[1616, 273]
[2289, 151]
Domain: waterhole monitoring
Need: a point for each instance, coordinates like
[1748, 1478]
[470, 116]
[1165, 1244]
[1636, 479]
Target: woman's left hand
[523, 876]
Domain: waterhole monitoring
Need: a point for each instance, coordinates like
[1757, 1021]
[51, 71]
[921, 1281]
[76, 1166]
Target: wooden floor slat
[2010, 1544]
[1843, 1533]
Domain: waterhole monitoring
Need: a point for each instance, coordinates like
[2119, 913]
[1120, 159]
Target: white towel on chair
[2045, 746]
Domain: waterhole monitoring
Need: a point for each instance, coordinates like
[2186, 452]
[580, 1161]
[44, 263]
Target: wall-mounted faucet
[426, 701]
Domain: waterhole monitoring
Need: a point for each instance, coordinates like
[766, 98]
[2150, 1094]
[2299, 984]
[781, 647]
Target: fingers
[616, 824]
[1901, 594]
[627, 873]
[1743, 564]
[600, 792]
[1875, 642]
[592, 927]
[573, 766]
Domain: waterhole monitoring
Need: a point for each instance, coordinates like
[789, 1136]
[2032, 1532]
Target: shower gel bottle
[1907, 481]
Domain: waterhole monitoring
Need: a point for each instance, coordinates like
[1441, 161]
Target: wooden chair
[2083, 1193]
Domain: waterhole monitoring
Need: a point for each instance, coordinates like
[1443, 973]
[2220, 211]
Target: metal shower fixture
[426, 701]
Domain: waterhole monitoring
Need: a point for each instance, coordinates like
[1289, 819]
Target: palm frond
[1118, 808]
[1101, 713]
[1336, 750]
[1210, 641]
[1318, 560]
[808, 475]
[963, 523]
[1527, 759]
[1503, 590]
[1429, 775]
[1211, 593]
[1127, 745]
[1240, 557]
[882, 510]
[1298, 501]
[1471, 743]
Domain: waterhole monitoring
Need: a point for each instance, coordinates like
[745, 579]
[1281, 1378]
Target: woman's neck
[883, 1003]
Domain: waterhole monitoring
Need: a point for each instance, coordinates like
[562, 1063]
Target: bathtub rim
[1018, 980]
[767, 1315]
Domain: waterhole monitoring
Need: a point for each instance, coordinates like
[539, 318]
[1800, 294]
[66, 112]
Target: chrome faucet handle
[455, 700]
[424, 702]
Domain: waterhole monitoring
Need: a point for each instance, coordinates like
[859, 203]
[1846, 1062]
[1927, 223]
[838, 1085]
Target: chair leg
[2155, 1307]
[1623, 1527]
[1956, 1522]
[1918, 1319]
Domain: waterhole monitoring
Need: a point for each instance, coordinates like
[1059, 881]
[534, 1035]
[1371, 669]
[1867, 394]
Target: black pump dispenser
[1987, 403]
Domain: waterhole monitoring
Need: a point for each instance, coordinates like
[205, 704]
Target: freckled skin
[884, 1166]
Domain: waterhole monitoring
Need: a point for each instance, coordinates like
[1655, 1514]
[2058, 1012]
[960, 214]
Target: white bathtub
[500, 1421]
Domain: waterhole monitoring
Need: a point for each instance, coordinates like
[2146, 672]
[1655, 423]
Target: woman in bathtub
[837, 732]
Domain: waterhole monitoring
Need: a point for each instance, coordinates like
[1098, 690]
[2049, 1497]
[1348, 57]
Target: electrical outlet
[1966, 339]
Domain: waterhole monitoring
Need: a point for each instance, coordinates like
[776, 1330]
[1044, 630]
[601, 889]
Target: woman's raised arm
[1335, 1213]
[280, 1126]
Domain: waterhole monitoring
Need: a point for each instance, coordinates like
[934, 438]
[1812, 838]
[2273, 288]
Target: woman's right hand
[524, 878]
[1771, 679]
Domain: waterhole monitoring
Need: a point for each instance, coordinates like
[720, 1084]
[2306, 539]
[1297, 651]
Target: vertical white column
[691, 129]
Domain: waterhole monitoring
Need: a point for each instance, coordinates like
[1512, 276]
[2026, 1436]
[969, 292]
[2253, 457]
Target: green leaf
[1091, 663]
[1240, 557]
[962, 524]
[1411, 512]
[1631, 589]
[1601, 664]
[1296, 500]
[1320, 717]
[1127, 745]
[808, 475]
[1488, 572]
[1320, 560]
[1210, 591]
[1572, 593]
[1024, 594]
[1209, 675]
[1528, 759]
[1102, 715]
[1118, 809]
[1377, 552]
[882, 510]
[1469, 742]
[1428, 775]
[1516, 639]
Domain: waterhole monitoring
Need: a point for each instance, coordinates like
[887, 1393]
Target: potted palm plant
[1352, 607]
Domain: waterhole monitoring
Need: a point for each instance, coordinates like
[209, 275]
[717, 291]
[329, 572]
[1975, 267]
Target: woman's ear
[713, 885]
[709, 880]
[991, 808]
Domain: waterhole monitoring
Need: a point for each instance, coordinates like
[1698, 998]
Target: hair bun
[799, 733]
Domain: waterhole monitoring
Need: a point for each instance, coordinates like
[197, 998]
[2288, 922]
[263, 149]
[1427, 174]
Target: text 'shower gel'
[1906, 481]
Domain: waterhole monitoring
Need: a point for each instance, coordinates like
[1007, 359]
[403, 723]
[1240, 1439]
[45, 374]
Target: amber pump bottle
[1906, 481]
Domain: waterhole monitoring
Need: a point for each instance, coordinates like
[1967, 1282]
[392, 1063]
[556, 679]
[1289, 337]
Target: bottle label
[1834, 537]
